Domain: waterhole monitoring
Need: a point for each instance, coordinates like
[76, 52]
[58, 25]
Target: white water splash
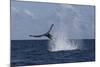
[62, 45]
[61, 41]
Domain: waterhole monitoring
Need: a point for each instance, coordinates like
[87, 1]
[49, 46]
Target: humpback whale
[47, 34]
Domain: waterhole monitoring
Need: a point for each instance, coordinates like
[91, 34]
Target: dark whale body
[47, 34]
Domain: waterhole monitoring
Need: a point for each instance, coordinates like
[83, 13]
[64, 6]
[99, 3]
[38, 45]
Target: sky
[73, 21]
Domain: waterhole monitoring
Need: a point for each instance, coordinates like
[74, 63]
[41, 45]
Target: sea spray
[61, 40]
[60, 44]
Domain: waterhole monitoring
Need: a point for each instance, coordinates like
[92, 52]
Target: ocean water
[35, 52]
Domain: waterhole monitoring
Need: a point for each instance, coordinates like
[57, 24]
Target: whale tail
[47, 34]
[50, 29]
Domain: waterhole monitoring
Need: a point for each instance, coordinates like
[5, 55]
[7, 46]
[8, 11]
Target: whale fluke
[47, 34]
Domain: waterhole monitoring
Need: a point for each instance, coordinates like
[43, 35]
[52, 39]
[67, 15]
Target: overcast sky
[75, 21]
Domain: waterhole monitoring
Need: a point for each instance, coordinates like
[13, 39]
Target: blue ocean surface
[35, 52]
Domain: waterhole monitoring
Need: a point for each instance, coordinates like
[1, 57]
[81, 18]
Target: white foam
[61, 40]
